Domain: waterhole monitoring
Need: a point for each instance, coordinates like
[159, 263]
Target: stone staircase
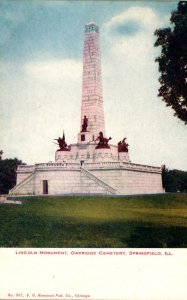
[13, 190]
[98, 181]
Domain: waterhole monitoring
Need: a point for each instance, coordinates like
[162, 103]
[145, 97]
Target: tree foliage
[173, 62]
[8, 174]
[174, 180]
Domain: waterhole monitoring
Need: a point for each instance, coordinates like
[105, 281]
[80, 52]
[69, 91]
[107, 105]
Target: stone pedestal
[88, 152]
[62, 156]
[123, 156]
[105, 154]
[85, 137]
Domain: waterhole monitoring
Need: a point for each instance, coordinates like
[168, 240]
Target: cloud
[40, 99]
[54, 71]
[132, 49]
[145, 17]
[133, 54]
[129, 28]
[130, 82]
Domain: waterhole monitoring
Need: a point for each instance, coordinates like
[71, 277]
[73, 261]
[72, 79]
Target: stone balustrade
[90, 166]
[142, 167]
[102, 165]
[25, 168]
[124, 165]
[57, 165]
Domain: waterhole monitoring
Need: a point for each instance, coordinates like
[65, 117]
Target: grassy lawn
[136, 221]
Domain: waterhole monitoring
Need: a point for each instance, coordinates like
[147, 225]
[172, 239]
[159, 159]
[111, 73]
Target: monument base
[88, 152]
[87, 170]
[123, 178]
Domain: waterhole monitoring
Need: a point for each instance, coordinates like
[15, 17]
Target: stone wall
[131, 182]
[59, 182]
[69, 179]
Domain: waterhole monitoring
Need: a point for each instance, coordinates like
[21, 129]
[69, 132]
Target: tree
[174, 180]
[173, 62]
[8, 174]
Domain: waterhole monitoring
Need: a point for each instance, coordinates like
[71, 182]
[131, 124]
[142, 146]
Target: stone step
[98, 180]
[12, 191]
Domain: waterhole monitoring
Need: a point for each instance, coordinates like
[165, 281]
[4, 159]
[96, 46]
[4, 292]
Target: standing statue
[123, 146]
[85, 124]
[62, 143]
[103, 142]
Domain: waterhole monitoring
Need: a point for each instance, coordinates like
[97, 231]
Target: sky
[41, 46]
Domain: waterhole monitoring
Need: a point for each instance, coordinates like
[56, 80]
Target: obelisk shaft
[92, 96]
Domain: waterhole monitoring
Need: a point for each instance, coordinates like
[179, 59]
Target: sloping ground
[135, 221]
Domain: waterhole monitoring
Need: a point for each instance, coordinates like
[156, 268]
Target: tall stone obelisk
[92, 96]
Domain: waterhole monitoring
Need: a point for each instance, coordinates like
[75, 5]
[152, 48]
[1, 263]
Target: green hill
[64, 221]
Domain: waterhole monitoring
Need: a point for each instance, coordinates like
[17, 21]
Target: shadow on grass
[157, 237]
[38, 223]
[36, 231]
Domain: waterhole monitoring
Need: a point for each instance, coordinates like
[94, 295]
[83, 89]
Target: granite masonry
[92, 165]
